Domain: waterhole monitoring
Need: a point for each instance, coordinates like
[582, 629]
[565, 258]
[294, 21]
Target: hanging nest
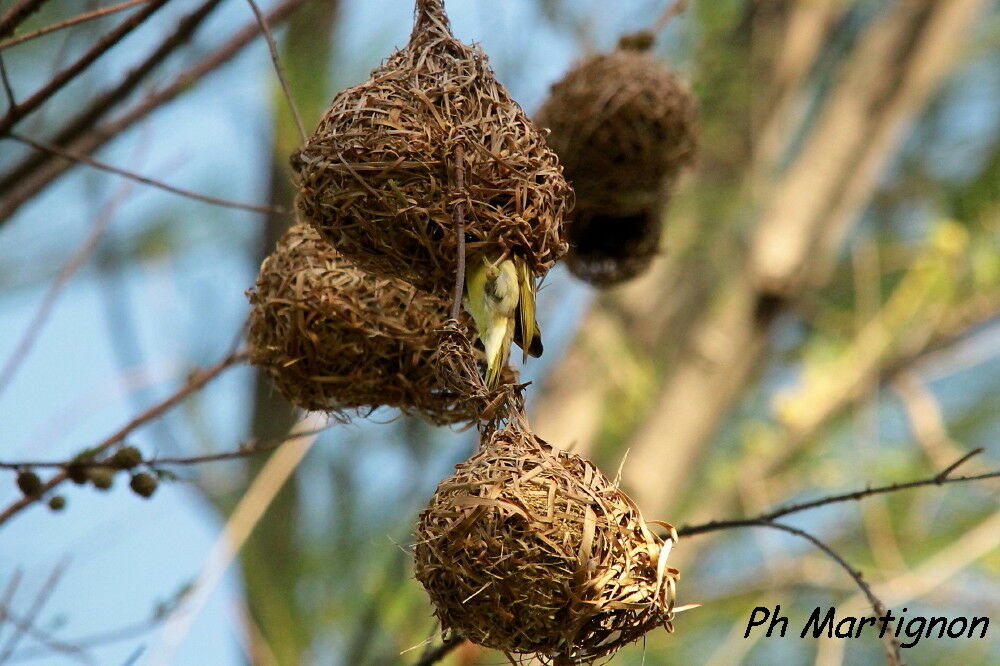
[432, 130]
[624, 128]
[334, 338]
[527, 549]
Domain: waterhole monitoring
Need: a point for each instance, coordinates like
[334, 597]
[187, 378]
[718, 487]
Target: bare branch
[936, 480]
[57, 82]
[25, 188]
[145, 180]
[48, 643]
[17, 14]
[66, 23]
[195, 383]
[244, 451]
[673, 9]
[891, 643]
[104, 101]
[36, 607]
[7, 89]
[66, 272]
[272, 47]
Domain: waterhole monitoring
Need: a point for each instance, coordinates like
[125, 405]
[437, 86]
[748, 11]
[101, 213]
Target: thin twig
[242, 452]
[14, 16]
[440, 652]
[103, 102]
[273, 48]
[26, 187]
[8, 594]
[57, 82]
[8, 90]
[891, 645]
[195, 383]
[47, 642]
[65, 23]
[124, 633]
[936, 480]
[459, 216]
[103, 166]
[36, 607]
[66, 272]
[946, 472]
[672, 10]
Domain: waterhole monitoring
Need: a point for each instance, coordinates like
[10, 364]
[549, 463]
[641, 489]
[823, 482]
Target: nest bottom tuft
[607, 248]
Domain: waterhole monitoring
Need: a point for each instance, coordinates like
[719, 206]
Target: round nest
[432, 131]
[624, 127]
[527, 549]
[334, 338]
[607, 249]
[621, 123]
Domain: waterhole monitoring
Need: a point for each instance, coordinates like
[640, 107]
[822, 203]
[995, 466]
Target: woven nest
[621, 123]
[380, 176]
[334, 338]
[624, 127]
[531, 550]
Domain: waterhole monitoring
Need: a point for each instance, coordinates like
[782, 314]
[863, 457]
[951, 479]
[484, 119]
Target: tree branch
[103, 166]
[195, 383]
[103, 102]
[66, 23]
[24, 189]
[273, 48]
[244, 451]
[65, 274]
[17, 14]
[939, 479]
[891, 643]
[57, 82]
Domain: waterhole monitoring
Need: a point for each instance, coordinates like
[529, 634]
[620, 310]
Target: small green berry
[29, 483]
[101, 477]
[57, 502]
[143, 484]
[126, 457]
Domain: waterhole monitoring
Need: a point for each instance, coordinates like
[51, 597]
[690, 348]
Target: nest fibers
[334, 338]
[531, 550]
[624, 127]
[380, 176]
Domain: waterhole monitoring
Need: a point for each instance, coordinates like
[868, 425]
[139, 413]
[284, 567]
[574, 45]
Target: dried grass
[624, 127]
[528, 549]
[335, 338]
[378, 179]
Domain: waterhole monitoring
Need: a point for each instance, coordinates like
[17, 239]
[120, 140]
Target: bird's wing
[527, 336]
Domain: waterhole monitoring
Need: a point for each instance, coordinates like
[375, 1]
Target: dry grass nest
[335, 338]
[380, 179]
[624, 127]
[621, 123]
[527, 549]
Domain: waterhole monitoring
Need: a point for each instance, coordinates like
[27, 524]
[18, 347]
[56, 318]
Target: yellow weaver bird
[501, 298]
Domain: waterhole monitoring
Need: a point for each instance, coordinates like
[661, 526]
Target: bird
[500, 296]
